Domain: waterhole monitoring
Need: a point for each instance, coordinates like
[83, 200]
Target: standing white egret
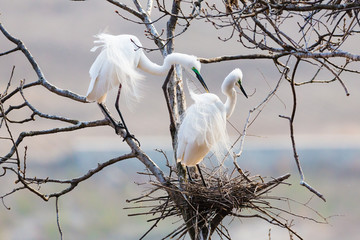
[117, 64]
[204, 124]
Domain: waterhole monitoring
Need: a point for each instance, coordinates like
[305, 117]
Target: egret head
[188, 62]
[234, 77]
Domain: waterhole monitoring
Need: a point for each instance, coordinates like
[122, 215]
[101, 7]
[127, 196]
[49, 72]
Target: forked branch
[291, 122]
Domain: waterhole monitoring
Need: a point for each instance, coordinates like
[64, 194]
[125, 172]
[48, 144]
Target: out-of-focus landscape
[95, 209]
[59, 34]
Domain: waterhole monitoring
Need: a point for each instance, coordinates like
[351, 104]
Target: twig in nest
[208, 206]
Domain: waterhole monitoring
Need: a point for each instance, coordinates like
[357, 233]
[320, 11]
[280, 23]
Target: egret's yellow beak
[199, 77]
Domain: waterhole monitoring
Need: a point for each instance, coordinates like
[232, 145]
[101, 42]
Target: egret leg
[113, 122]
[190, 178]
[121, 117]
[202, 178]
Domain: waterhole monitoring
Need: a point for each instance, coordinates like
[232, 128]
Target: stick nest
[209, 205]
[223, 193]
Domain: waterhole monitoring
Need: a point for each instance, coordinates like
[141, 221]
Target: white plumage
[118, 61]
[204, 124]
[115, 65]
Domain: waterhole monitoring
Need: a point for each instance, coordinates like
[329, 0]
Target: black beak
[242, 90]
[199, 77]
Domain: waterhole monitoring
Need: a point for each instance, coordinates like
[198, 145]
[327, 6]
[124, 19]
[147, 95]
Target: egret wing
[203, 126]
[116, 64]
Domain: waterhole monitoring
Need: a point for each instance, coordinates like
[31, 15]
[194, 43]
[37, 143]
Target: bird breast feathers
[205, 123]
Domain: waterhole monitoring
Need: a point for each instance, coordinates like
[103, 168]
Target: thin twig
[291, 122]
[58, 218]
[9, 83]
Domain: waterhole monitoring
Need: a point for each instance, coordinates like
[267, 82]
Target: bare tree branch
[128, 9]
[41, 79]
[291, 121]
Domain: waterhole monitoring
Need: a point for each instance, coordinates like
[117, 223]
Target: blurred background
[60, 34]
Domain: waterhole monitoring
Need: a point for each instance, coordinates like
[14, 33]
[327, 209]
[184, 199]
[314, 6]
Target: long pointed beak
[242, 90]
[199, 77]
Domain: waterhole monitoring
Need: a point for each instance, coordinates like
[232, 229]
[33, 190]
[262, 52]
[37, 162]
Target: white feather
[116, 64]
[203, 126]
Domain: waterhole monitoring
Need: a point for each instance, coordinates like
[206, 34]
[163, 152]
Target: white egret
[117, 64]
[204, 123]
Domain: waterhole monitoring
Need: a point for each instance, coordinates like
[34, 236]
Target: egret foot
[117, 127]
[128, 135]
